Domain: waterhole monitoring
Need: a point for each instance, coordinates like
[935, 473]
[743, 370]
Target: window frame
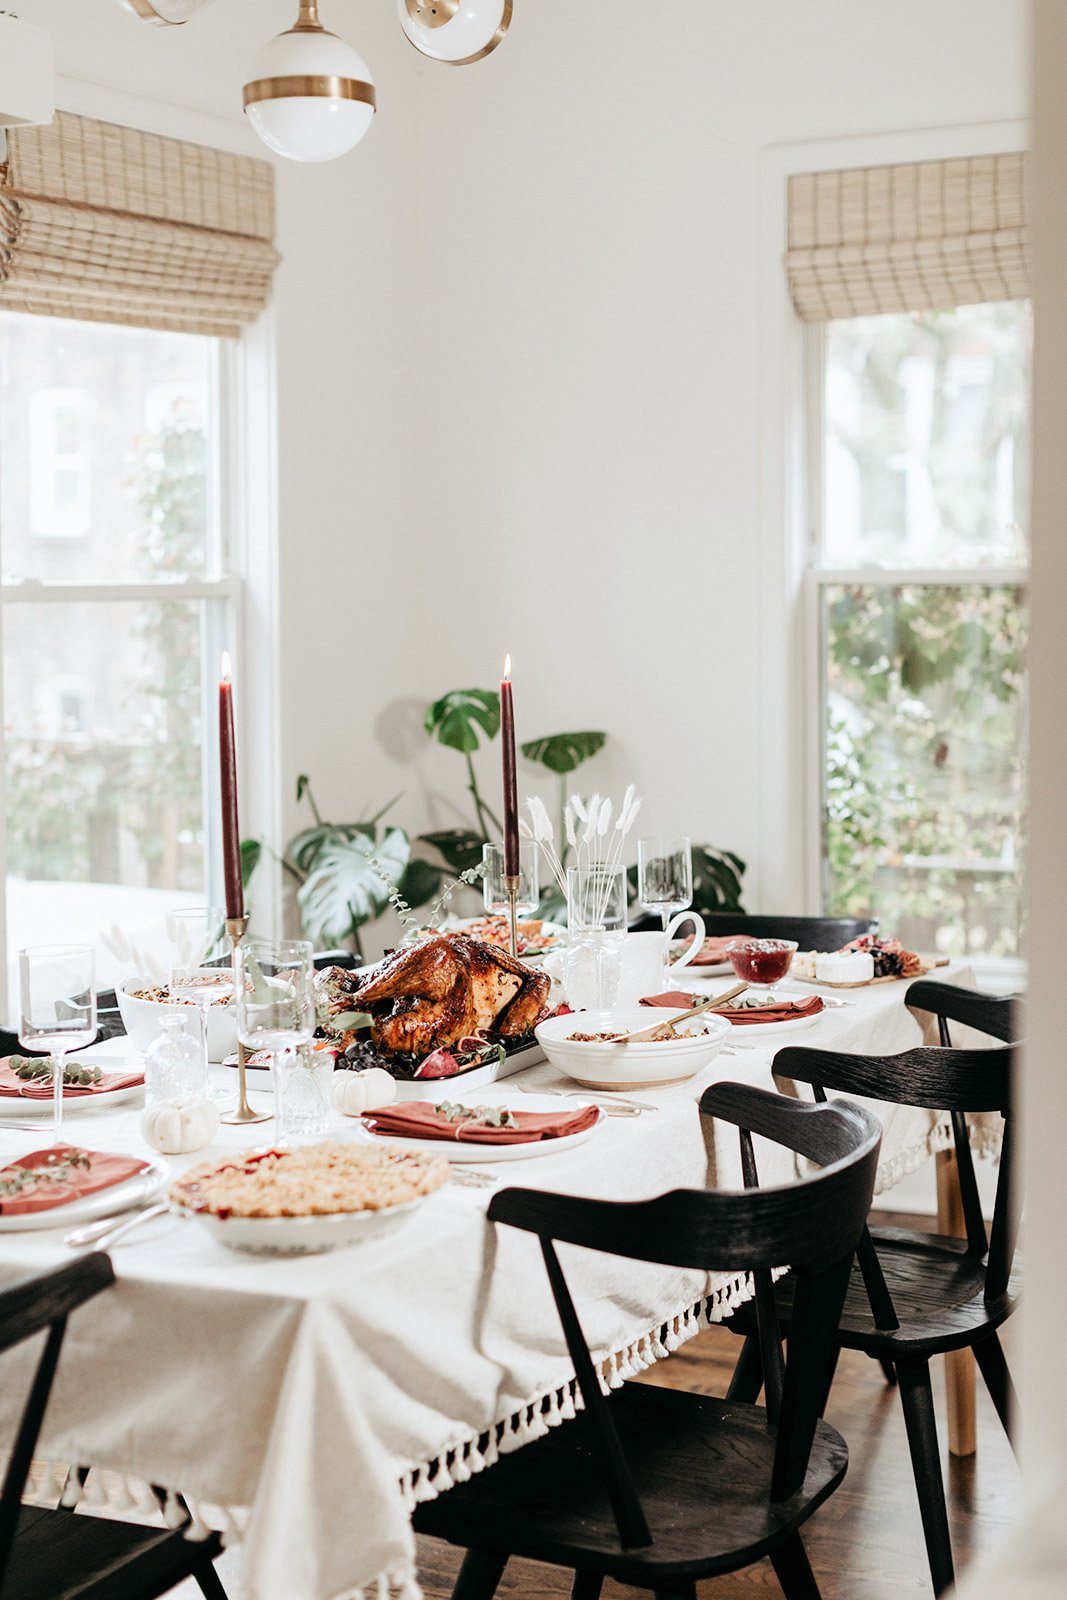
[820, 576]
[239, 581]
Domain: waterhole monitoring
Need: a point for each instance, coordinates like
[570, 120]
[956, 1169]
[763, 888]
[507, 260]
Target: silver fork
[101, 1235]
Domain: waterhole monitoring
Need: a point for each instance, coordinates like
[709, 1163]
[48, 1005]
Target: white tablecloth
[306, 1404]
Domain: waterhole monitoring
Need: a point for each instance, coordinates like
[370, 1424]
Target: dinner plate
[468, 1151]
[558, 933]
[756, 1030]
[16, 1107]
[688, 973]
[119, 1197]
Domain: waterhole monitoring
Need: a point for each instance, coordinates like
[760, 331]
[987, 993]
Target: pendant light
[165, 13]
[456, 32]
[310, 96]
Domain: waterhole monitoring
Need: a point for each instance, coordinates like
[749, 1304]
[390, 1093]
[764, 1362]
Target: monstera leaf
[343, 891]
[251, 850]
[455, 719]
[307, 846]
[461, 848]
[564, 752]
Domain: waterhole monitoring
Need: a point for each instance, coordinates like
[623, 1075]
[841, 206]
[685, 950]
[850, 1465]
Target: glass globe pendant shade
[310, 95]
[164, 13]
[456, 32]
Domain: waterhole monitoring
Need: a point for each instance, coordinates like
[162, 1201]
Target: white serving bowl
[631, 1066]
[142, 1019]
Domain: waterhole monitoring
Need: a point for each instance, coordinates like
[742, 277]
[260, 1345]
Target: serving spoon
[649, 1035]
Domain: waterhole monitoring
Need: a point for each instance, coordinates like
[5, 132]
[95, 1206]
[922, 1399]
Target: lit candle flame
[507, 667]
[225, 668]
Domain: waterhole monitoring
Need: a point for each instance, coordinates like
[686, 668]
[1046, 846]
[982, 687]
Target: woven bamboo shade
[917, 237]
[111, 224]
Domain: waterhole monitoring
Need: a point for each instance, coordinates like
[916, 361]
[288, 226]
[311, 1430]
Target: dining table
[304, 1405]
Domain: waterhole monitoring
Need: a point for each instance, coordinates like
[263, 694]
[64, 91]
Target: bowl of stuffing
[589, 1046]
[142, 1005]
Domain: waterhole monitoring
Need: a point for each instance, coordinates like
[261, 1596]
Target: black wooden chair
[56, 1554]
[658, 1488]
[811, 933]
[913, 1296]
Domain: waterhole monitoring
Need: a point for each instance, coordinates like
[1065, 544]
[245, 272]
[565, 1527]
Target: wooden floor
[865, 1544]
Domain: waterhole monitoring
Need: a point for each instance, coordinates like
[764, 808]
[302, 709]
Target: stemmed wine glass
[196, 936]
[57, 1008]
[275, 1002]
[665, 876]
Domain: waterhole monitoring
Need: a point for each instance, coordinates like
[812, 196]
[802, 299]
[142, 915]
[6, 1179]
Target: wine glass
[494, 881]
[196, 937]
[57, 1008]
[275, 1004]
[664, 876]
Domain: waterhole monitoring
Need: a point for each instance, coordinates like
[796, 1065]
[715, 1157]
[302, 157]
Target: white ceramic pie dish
[605, 1065]
[301, 1236]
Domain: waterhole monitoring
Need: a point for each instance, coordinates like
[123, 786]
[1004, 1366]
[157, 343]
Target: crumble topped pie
[311, 1181]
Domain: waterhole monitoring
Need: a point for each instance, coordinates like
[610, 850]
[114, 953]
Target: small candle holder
[511, 884]
[236, 927]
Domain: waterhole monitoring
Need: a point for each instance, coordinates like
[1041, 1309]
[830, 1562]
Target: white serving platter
[135, 1191]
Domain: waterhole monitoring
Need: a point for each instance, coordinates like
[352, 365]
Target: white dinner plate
[691, 973]
[758, 1030]
[120, 1197]
[468, 1151]
[16, 1107]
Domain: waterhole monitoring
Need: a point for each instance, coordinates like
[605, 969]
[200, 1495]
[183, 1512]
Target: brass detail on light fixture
[145, 9]
[309, 86]
[308, 20]
[432, 13]
[464, 61]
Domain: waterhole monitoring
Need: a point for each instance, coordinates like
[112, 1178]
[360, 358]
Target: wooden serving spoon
[650, 1035]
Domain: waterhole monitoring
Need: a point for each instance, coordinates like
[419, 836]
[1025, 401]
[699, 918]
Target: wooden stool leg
[959, 1364]
[587, 1586]
[479, 1575]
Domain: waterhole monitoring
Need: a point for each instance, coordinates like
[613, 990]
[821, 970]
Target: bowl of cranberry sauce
[761, 962]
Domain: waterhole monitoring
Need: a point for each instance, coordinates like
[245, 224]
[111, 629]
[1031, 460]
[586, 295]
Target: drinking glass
[197, 936]
[275, 1005]
[494, 883]
[664, 876]
[57, 1008]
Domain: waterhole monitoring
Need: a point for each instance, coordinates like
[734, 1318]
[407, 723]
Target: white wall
[522, 353]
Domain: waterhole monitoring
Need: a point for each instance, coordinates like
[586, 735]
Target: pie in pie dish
[314, 1180]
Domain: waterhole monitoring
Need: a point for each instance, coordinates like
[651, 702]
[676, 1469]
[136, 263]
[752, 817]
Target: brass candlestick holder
[236, 927]
[511, 883]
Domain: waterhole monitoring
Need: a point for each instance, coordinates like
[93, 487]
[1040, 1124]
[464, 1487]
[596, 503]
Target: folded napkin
[782, 1012]
[420, 1119]
[55, 1177]
[712, 952]
[11, 1084]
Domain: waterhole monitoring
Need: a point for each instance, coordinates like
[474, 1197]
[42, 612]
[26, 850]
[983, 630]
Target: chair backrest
[811, 933]
[937, 1078]
[25, 1309]
[812, 1225]
[997, 1015]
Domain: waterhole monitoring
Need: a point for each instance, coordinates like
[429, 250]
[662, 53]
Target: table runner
[306, 1404]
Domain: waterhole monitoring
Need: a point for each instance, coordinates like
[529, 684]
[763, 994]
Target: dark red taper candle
[511, 784]
[231, 833]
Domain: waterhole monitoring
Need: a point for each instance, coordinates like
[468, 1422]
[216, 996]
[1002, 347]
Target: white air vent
[27, 73]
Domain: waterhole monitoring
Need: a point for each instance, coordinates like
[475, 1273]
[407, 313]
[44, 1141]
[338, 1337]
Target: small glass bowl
[761, 963]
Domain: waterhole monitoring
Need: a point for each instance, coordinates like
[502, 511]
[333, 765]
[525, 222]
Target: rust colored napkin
[59, 1175]
[10, 1084]
[420, 1119]
[808, 1007]
[712, 952]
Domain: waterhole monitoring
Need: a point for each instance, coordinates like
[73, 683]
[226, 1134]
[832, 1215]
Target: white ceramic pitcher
[644, 959]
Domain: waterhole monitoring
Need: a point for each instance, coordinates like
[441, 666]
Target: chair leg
[681, 1591]
[918, 1402]
[209, 1582]
[989, 1354]
[747, 1380]
[890, 1372]
[793, 1570]
[479, 1575]
[587, 1585]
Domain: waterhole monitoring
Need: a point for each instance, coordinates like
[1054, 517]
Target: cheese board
[865, 983]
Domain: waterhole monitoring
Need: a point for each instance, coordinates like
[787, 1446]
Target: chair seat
[702, 1468]
[59, 1555]
[938, 1291]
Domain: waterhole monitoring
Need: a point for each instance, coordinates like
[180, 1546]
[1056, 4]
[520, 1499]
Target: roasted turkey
[431, 995]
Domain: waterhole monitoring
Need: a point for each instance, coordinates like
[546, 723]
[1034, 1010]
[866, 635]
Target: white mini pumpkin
[356, 1092]
[176, 1128]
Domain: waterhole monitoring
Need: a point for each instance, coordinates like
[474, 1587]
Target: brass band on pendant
[306, 86]
[431, 13]
[464, 61]
[145, 9]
